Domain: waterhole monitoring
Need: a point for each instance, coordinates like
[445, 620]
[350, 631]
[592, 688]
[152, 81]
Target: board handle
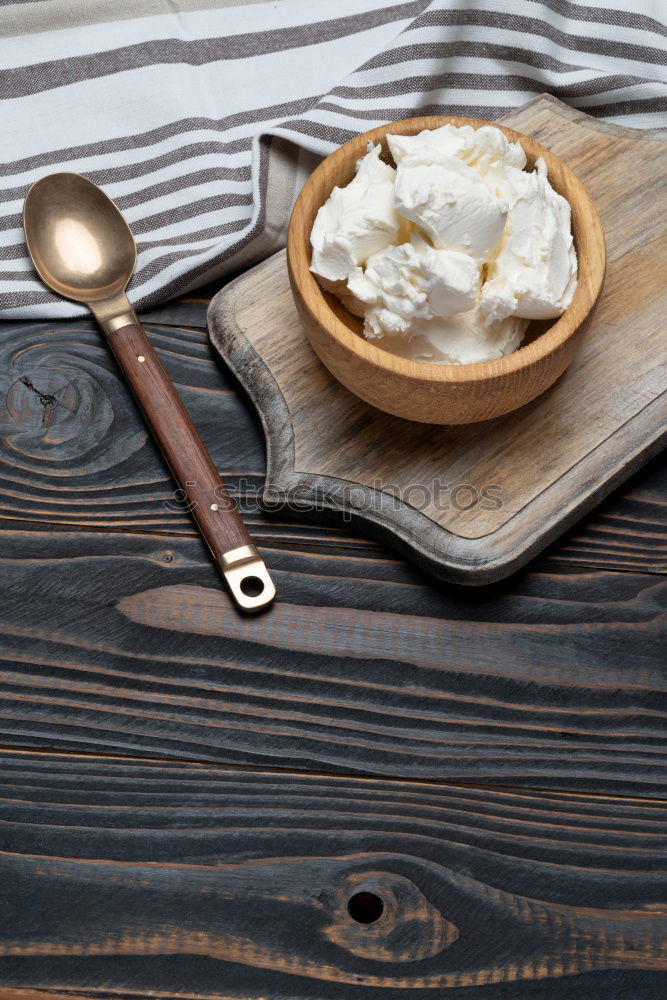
[191, 466]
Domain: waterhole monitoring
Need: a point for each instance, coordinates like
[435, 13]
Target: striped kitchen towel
[202, 118]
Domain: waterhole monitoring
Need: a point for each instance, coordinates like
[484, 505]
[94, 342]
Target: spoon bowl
[79, 242]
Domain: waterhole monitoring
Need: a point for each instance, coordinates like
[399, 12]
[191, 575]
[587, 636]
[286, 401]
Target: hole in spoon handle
[247, 578]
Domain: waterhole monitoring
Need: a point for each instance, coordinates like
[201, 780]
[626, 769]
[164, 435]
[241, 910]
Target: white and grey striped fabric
[202, 118]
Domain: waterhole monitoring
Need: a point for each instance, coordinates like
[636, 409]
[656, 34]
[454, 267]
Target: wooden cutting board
[473, 503]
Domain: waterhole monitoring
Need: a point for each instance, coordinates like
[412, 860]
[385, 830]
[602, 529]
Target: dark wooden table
[200, 805]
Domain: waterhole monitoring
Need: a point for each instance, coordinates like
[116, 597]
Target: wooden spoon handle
[192, 468]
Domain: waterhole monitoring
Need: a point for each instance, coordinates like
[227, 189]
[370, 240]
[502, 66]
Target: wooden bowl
[417, 390]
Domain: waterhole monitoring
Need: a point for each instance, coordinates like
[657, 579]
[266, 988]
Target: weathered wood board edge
[440, 552]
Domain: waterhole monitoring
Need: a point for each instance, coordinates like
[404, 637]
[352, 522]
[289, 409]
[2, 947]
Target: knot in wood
[408, 927]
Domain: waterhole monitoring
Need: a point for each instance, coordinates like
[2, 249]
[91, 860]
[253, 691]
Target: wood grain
[627, 531]
[129, 645]
[143, 878]
[73, 451]
[449, 394]
[73, 446]
[427, 491]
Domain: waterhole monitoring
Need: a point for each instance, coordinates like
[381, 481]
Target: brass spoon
[83, 249]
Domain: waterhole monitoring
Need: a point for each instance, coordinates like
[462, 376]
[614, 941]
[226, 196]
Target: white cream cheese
[357, 220]
[534, 274]
[451, 203]
[413, 281]
[462, 339]
[480, 148]
[405, 248]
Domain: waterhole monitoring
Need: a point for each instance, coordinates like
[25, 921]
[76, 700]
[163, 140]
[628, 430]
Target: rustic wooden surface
[189, 801]
[206, 881]
[473, 503]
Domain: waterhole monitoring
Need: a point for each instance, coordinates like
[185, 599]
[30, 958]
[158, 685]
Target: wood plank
[73, 446]
[130, 879]
[73, 451]
[188, 310]
[627, 531]
[127, 643]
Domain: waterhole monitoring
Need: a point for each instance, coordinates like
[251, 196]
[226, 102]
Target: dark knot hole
[365, 907]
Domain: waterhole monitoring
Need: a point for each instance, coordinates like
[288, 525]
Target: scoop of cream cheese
[534, 274]
[450, 202]
[413, 281]
[462, 339]
[480, 148]
[357, 220]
